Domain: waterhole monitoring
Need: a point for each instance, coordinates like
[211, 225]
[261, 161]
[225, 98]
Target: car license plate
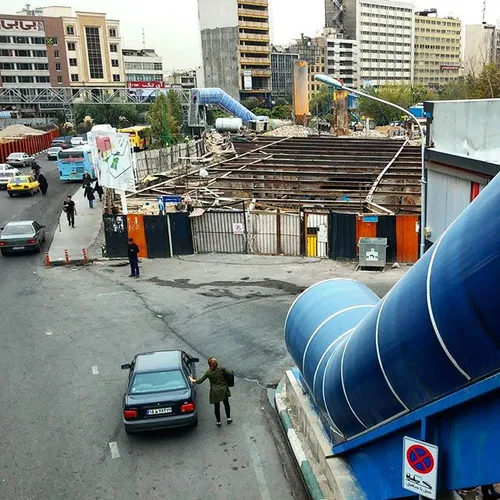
[18, 248]
[159, 411]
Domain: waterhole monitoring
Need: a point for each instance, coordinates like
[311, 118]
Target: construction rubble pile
[292, 131]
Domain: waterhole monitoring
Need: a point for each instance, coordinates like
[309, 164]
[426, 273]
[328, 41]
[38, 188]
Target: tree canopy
[117, 115]
[166, 119]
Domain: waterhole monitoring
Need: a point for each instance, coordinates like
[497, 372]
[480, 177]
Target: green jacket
[219, 389]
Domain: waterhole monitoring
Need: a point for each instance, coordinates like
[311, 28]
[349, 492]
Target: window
[113, 33]
[59, 79]
[115, 63]
[4, 39]
[26, 79]
[41, 66]
[94, 52]
[116, 78]
[42, 79]
[39, 53]
[56, 54]
[58, 66]
[158, 66]
[37, 40]
[74, 77]
[23, 53]
[113, 47]
[171, 380]
[7, 66]
[8, 79]
[71, 46]
[70, 30]
[73, 62]
[24, 66]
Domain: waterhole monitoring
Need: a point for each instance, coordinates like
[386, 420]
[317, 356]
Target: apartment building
[142, 66]
[32, 53]
[282, 61]
[235, 46]
[311, 50]
[93, 52]
[185, 79]
[385, 31]
[342, 58]
[438, 49]
[482, 46]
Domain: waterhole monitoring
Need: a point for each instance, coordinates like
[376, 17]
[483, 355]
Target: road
[64, 333]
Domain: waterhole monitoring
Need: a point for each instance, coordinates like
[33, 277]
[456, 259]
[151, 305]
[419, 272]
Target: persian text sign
[16, 24]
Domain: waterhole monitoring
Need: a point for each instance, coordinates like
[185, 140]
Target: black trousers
[226, 407]
[134, 267]
[71, 218]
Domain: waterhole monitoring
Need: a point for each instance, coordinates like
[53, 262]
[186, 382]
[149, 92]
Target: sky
[171, 26]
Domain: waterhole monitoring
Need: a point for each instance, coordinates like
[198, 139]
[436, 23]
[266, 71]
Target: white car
[6, 173]
[77, 141]
[20, 160]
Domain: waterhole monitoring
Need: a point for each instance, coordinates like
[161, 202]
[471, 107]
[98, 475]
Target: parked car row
[6, 173]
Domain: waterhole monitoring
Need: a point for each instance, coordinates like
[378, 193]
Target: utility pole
[143, 39]
[484, 11]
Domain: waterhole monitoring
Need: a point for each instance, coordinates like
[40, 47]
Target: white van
[6, 173]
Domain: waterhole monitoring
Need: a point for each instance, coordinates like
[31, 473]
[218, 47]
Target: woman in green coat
[219, 390]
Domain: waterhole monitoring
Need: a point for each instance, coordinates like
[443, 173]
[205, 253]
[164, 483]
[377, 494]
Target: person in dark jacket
[89, 194]
[86, 180]
[133, 258]
[98, 189]
[219, 390]
[44, 185]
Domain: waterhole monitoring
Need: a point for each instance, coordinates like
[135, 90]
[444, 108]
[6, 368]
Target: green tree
[165, 117]
[488, 82]
[251, 103]
[321, 102]
[281, 112]
[117, 115]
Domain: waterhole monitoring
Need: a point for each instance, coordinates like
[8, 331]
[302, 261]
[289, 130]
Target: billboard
[146, 85]
[114, 161]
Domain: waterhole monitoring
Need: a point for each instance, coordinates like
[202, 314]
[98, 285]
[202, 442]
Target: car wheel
[129, 433]
[4, 252]
[11, 194]
[38, 248]
[31, 192]
[195, 423]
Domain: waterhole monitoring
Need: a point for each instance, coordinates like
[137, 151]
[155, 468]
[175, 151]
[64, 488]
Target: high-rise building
[142, 65]
[342, 58]
[93, 53]
[282, 61]
[235, 46]
[384, 30]
[334, 15]
[32, 53]
[438, 49]
[482, 46]
[311, 50]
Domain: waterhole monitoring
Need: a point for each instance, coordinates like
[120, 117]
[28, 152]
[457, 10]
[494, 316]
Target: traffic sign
[420, 467]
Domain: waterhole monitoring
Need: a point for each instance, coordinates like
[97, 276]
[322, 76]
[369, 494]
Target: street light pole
[328, 80]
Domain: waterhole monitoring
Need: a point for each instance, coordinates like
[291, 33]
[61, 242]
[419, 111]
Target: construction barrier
[47, 259]
[85, 258]
[31, 144]
[66, 257]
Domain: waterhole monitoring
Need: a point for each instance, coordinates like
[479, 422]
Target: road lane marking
[95, 370]
[48, 333]
[257, 465]
[113, 447]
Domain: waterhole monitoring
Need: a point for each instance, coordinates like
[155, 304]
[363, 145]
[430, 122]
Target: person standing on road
[86, 180]
[219, 389]
[44, 185]
[133, 258]
[70, 208]
[89, 194]
[98, 189]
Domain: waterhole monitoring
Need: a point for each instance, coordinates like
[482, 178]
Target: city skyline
[173, 31]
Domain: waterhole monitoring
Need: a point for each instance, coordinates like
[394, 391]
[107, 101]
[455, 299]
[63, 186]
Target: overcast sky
[171, 26]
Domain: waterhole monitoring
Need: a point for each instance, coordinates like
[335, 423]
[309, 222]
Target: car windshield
[55, 149]
[19, 180]
[17, 229]
[16, 155]
[171, 380]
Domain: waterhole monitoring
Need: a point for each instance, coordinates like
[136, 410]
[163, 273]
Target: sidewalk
[87, 226]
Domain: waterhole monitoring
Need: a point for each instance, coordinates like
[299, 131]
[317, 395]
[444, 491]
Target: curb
[308, 476]
[73, 262]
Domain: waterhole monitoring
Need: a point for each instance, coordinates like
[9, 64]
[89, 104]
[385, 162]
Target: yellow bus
[139, 137]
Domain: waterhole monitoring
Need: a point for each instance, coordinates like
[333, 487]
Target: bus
[74, 162]
[139, 137]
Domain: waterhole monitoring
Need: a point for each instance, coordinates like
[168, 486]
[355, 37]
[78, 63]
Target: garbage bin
[372, 252]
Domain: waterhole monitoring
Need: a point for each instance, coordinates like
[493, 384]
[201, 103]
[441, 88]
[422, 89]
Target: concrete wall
[220, 59]
[350, 16]
[467, 128]
[217, 13]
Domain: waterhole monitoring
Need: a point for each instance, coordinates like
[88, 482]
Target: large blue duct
[436, 331]
[217, 97]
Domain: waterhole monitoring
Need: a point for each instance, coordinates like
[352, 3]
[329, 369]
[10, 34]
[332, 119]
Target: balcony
[259, 14]
[253, 37]
[254, 2]
[254, 25]
[255, 49]
[261, 61]
[261, 72]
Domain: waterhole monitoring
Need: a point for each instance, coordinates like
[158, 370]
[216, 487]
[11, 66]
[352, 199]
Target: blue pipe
[436, 331]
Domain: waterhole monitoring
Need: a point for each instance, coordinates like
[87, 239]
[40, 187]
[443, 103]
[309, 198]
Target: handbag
[228, 377]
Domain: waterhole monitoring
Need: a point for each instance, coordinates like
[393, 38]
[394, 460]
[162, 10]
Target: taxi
[23, 184]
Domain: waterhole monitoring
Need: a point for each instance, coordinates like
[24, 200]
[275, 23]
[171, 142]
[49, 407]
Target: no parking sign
[420, 467]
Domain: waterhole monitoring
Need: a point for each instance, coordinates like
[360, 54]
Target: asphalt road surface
[63, 335]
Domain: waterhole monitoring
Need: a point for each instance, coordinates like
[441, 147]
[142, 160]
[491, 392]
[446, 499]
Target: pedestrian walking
[89, 194]
[86, 180]
[99, 190]
[70, 208]
[133, 258]
[44, 185]
[219, 388]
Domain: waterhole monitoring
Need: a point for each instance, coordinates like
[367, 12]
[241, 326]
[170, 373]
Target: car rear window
[18, 229]
[16, 155]
[172, 380]
[19, 180]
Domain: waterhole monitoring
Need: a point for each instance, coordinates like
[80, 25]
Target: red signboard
[449, 67]
[146, 85]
